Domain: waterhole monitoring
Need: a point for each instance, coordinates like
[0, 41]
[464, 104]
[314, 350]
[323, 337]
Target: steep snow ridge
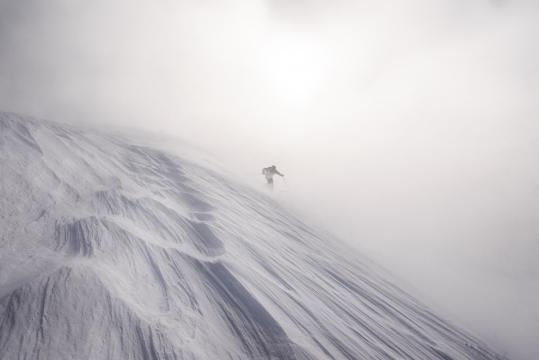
[113, 250]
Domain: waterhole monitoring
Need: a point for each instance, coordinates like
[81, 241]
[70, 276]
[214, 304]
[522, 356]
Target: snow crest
[113, 250]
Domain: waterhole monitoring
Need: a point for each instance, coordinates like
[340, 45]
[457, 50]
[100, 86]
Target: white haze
[409, 128]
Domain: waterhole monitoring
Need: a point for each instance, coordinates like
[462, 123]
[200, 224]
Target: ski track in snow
[113, 250]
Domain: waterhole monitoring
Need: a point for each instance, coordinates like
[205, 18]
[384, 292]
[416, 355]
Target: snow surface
[113, 250]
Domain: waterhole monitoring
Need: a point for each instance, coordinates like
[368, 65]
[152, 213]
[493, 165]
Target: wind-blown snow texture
[112, 250]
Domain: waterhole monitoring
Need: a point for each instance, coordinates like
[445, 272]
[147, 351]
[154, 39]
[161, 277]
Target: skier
[269, 172]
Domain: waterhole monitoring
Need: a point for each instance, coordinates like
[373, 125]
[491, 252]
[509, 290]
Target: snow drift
[114, 250]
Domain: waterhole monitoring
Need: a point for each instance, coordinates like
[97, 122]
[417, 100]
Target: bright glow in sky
[293, 67]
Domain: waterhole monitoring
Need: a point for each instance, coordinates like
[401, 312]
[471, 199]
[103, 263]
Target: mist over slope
[113, 250]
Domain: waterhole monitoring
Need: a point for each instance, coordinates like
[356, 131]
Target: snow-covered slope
[112, 250]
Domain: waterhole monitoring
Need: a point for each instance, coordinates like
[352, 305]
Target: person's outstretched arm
[278, 173]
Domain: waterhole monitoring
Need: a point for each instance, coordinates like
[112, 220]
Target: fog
[408, 128]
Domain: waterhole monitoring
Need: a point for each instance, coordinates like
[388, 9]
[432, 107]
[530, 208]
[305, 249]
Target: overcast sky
[409, 128]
